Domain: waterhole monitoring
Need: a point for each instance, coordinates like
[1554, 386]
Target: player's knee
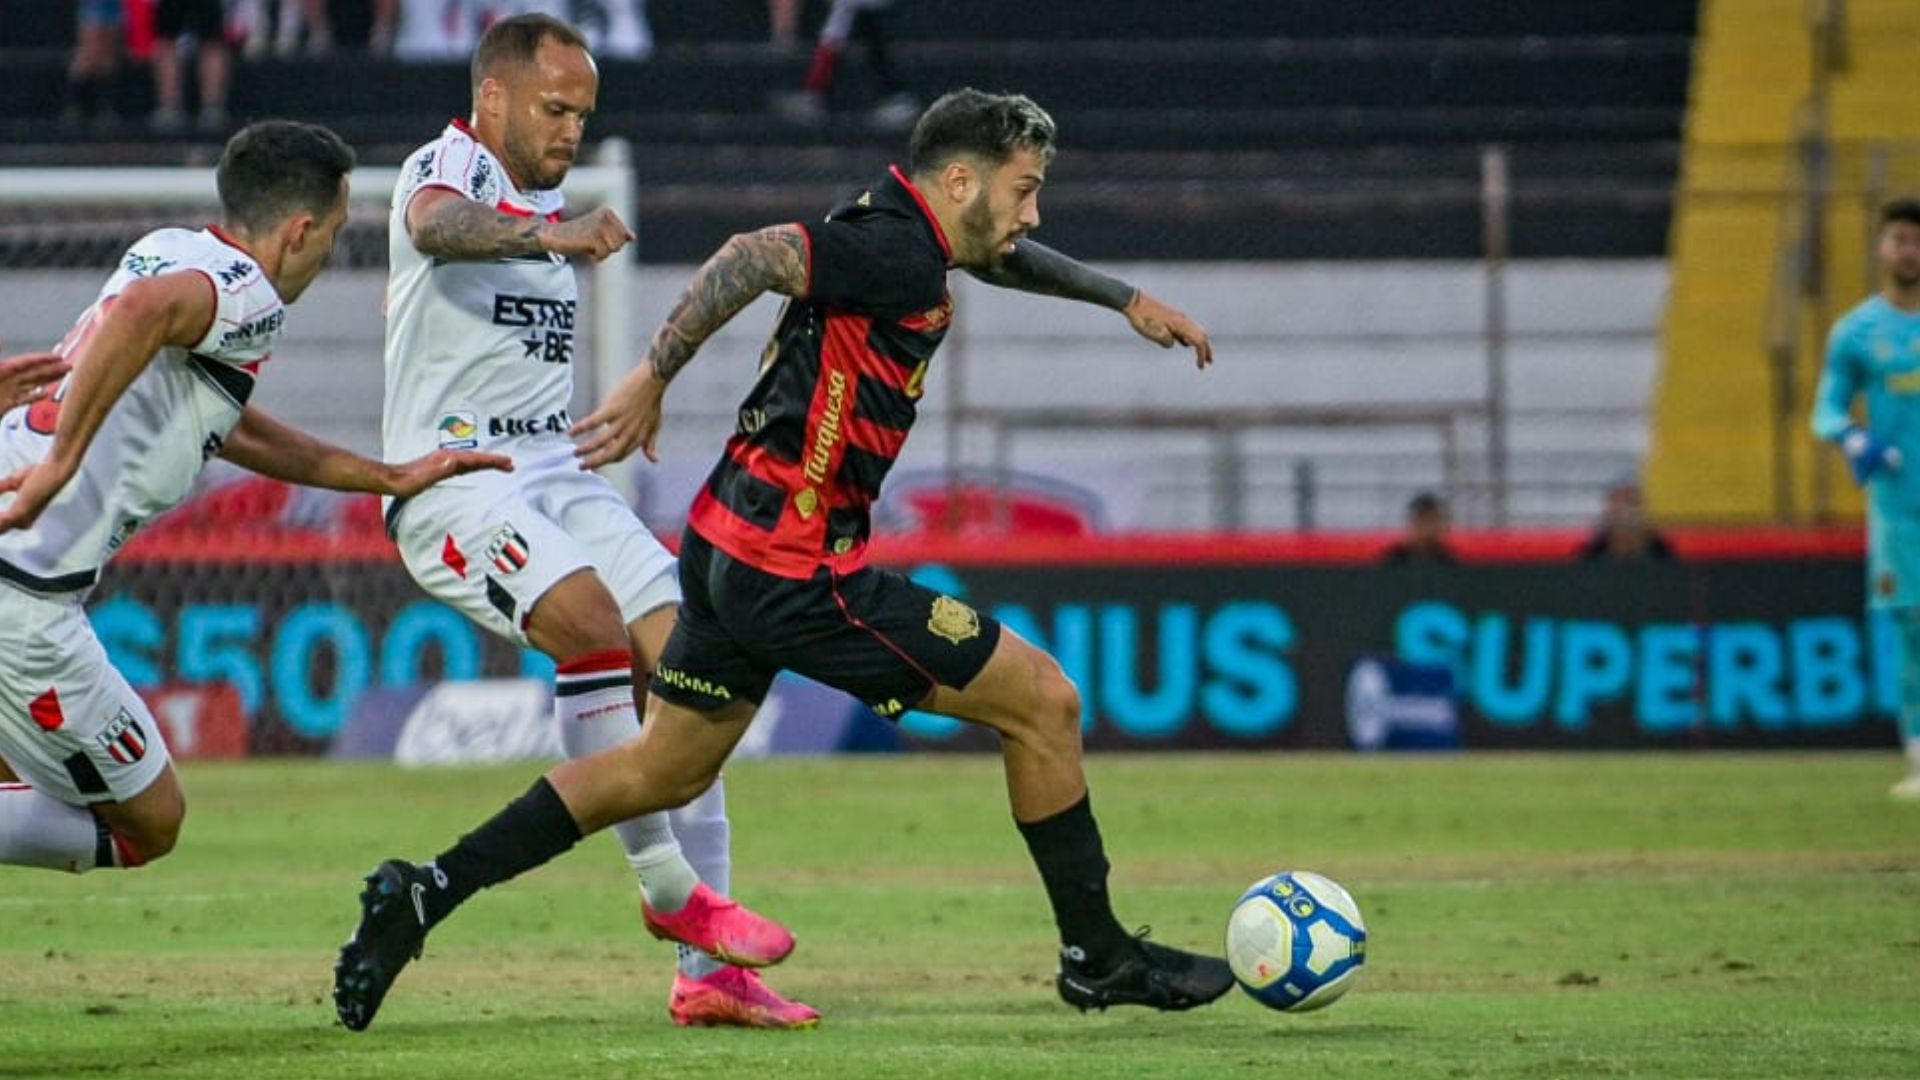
[683, 790]
[1057, 704]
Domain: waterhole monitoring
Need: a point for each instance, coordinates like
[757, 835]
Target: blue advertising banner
[1553, 656]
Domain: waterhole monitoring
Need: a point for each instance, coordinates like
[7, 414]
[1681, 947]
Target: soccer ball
[1295, 941]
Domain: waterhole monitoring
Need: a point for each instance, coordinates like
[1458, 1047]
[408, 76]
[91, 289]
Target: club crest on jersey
[507, 551]
[458, 431]
[124, 739]
[953, 620]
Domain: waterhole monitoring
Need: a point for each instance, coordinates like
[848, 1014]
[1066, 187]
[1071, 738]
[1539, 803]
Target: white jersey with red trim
[479, 353]
[173, 416]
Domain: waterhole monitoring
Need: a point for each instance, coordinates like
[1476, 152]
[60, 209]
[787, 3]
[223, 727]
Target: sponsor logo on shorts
[125, 740]
[953, 620]
[507, 551]
[680, 680]
[458, 431]
[889, 708]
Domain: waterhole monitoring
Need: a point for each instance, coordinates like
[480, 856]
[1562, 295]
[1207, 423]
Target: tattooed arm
[771, 260]
[447, 225]
[1036, 268]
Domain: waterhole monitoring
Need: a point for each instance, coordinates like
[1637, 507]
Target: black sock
[531, 830]
[1073, 864]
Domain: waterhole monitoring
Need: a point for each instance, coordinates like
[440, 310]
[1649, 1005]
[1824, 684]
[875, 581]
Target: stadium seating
[1240, 129]
[1713, 443]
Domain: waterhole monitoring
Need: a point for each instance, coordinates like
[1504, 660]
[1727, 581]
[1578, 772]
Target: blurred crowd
[200, 37]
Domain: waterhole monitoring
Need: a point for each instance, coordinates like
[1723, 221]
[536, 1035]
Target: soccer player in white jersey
[162, 363]
[481, 311]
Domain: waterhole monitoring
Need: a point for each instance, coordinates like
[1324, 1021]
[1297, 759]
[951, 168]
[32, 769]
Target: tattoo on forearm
[457, 228]
[773, 259]
[1037, 268]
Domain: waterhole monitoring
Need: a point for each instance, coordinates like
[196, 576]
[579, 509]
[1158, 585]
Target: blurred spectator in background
[897, 108]
[96, 51]
[278, 26]
[1426, 537]
[1623, 532]
[783, 24]
[616, 28]
[435, 30]
[199, 25]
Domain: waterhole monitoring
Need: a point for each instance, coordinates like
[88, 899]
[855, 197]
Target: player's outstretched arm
[448, 225]
[1036, 268]
[170, 309]
[773, 259]
[26, 377]
[266, 446]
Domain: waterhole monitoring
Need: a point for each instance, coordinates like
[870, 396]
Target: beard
[976, 225]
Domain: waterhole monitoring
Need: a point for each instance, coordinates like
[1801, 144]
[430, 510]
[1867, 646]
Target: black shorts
[204, 19]
[872, 633]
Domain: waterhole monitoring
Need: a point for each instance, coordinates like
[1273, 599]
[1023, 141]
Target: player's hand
[27, 377]
[1168, 326]
[1866, 454]
[33, 488]
[594, 235]
[427, 470]
[628, 419]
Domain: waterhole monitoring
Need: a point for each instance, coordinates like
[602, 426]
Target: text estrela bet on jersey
[154, 441]
[837, 391]
[479, 353]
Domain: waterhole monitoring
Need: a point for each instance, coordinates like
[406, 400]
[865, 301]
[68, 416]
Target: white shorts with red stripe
[491, 544]
[70, 725]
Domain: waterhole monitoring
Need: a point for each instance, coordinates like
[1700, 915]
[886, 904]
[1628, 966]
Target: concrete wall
[1290, 336]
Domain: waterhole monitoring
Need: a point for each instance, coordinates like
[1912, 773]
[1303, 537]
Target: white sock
[593, 696]
[706, 839]
[1913, 753]
[39, 830]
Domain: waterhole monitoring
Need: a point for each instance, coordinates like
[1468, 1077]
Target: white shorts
[69, 723]
[491, 544]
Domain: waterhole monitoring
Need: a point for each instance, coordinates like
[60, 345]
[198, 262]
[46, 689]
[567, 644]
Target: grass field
[1530, 916]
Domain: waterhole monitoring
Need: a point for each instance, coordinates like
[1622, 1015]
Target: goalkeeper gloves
[1866, 454]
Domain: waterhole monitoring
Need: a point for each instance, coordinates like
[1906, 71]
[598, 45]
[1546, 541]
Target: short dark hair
[1425, 503]
[986, 126]
[1906, 208]
[515, 40]
[273, 169]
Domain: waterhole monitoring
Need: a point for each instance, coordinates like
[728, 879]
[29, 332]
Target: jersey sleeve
[457, 164]
[871, 265]
[1840, 380]
[247, 315]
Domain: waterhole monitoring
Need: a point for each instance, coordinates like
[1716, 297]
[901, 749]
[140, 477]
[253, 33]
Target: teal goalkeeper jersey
[1875, 350]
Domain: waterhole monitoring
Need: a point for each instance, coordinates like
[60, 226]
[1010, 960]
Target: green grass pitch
[1531, 916]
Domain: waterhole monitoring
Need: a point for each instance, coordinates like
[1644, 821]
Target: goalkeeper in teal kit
[1875, 350]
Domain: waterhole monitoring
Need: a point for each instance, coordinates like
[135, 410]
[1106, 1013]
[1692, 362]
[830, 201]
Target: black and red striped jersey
[837, 391]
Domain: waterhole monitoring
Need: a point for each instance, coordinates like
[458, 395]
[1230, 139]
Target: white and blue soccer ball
[1295, 941]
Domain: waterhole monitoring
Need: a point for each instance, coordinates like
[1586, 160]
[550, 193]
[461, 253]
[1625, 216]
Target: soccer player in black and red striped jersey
[773, 560]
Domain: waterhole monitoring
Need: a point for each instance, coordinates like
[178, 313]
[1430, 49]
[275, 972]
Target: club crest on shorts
[124, 739]
[507, 550]
[953, 620]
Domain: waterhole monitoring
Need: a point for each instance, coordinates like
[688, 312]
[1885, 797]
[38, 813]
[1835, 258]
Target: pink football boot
[722, 929]
[735, 997]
